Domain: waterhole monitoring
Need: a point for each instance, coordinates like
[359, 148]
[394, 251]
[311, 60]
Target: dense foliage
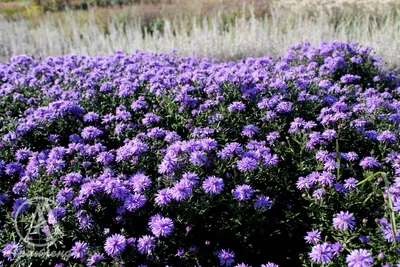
[157, 160]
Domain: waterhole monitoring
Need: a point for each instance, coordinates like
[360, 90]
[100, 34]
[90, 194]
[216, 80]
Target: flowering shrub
[156, 160]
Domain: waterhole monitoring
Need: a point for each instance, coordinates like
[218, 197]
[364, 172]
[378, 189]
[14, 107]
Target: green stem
[369, 178]
[392, 217]
[338, 156]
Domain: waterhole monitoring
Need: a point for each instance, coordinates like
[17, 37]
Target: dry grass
[212, 36]
[148, 11]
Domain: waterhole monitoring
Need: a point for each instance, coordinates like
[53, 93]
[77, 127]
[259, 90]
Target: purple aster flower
[330, 165]
[269, 159]
[121, 113]
[106, 87]
[337, 248]
[105, 157]
[339, 188]
[262, 202]
[85, 221]
[139, 104]
[64, 195]
[371, 134]
[156, 132]
[161, 226]
[365, 239]
[315, 139]
[329, 134]
[359, 124]
[91, 132]
[146, 244]
[323, 155]
[131, 241]
[180, 253]
[325, 84]
[120, 128]
[296, 125]
[213, 185]
[191, 178]
[22, 154]
[236, 106]
[272, 137]
[169, 164]
[91, 117]
[11, 250]
[326, 178]
[284, 107]
[21, 205]
[359, 258]
[387, 137]
[344, 221]
[269, 264]
[243, 192]
[350, 156]
[387, 231]
[226, 257]
[250, 130]
[247, 164]
[357, 59]
[55, 214]
[115, 245]
[319, 193]
[134, 202]
[72, 178]
[229, 150]
[321, 253]
[19, 188]
[269, 115]
[96, 257]
[171, 136]
[181, 190]
[140, 182]
[86, 164]
[13, 168]
[308, 125]
[198, 158]
[349, 78]
[369, 162]
[303, 183]
[79, 250]
[163, 197]
[242, 265]
[150, 118]
[350, 183]
[116, 189]
[313, 237]
[208, 144]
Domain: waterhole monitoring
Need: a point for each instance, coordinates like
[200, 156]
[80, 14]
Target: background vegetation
[224, 29]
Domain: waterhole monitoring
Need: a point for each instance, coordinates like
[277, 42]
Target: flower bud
[381, 256]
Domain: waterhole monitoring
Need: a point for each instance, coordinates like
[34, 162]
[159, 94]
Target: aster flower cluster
[155, 159]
